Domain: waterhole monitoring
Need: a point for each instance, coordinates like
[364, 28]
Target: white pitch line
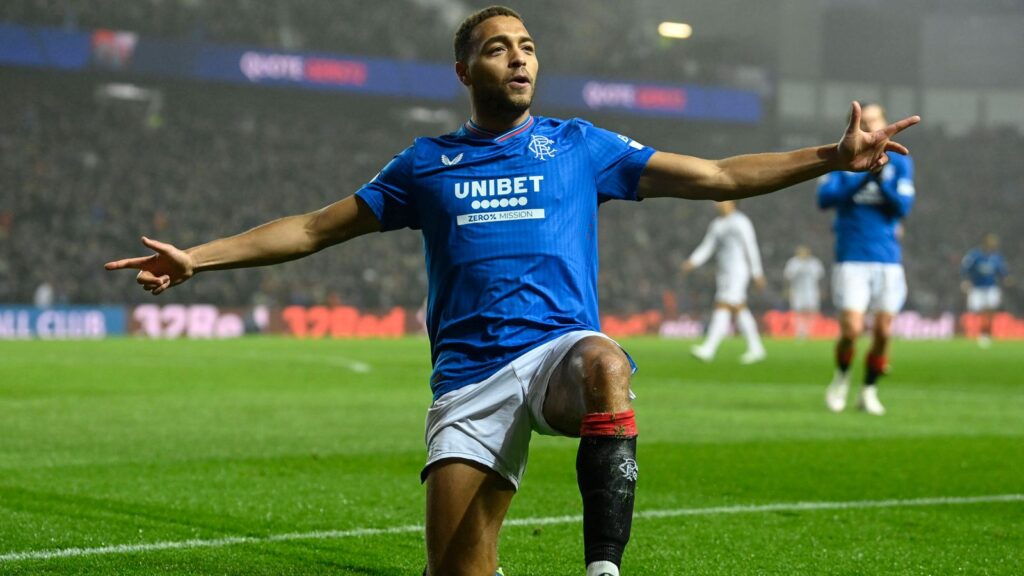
[326, 358]
[538, 521]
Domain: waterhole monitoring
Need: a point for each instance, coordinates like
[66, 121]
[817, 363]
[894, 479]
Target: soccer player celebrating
[868, 273]
[731, 237]
[803, 274]
[983, 270]
[507, 206]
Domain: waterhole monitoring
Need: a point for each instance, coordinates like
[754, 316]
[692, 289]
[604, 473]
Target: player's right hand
[860, 151]
[158, 272]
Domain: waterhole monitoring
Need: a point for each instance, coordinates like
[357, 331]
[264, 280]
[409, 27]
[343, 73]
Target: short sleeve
[618, 162]
[391, 194]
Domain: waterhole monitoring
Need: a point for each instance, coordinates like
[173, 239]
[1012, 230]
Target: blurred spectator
[44, 295]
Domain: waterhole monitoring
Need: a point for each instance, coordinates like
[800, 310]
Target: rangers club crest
[629, 469]
[541, 146]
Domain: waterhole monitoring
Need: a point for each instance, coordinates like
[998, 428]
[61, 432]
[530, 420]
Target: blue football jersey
[869, 208]
[983, 269]
[509, 225]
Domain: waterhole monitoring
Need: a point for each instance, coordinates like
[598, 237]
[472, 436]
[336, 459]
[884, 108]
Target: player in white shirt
[803, 275]
[731, 239]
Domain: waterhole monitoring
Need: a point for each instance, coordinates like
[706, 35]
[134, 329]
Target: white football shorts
[804, 300]
[732, 288]
[869, 287]
[490, 422]
[984, 299]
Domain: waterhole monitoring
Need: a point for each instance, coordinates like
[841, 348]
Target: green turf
[134, 442]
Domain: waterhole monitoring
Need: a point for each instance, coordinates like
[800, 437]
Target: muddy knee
[603, 372]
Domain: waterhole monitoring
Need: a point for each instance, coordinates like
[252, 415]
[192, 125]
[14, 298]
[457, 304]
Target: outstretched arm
[677, 176]
[281, 240]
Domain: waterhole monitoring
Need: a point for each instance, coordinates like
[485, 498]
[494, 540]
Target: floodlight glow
[675, 30]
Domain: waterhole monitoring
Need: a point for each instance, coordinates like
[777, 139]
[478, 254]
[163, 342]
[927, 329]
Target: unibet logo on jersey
[510, 193]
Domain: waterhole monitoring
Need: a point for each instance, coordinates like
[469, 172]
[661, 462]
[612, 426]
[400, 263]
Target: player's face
[991, 242]
[872, 118]
[502, 69]
[725, 207]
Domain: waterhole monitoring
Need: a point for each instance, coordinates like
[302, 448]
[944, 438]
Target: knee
[601, 365]
[883, 326]
[850, 329]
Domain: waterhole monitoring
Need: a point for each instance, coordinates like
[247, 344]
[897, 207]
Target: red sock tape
[877, 363]
[619, 424]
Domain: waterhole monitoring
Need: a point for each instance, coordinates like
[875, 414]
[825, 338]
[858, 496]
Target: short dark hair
[465, 30]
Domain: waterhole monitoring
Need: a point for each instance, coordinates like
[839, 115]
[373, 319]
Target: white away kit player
[731, 239]
[803, 274]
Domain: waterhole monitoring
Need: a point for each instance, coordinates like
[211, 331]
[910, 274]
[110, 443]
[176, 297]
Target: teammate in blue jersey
[868, 272]
[984, 271]
[507, 206]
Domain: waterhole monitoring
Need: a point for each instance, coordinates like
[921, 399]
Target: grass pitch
[270, 456]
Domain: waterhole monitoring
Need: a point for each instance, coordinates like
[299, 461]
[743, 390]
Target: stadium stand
[343, 26]
[86, 176]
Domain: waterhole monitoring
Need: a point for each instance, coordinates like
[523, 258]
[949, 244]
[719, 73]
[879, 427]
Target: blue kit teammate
[983, 270]
[508, 206]
[868, 272]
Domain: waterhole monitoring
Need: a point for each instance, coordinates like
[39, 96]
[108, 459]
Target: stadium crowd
[84, 176]
[412, 30]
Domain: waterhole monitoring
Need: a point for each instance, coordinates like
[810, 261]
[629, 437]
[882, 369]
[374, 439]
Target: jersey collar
[472, 129]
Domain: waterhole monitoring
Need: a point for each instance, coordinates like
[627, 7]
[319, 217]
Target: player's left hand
[860, 151]
[168, 267]
[760, 283]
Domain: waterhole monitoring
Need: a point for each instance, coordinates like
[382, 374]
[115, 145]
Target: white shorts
[732, 289]
[805, 301]
[490, 422]
[869, 287]
[984, 299]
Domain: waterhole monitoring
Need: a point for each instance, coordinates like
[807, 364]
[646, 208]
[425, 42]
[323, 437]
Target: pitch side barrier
[202, 321]
[61, 322]
[120, 52]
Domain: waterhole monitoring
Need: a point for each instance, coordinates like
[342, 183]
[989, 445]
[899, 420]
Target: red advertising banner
[1004, 326]
[205, 321]
[340, 322]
